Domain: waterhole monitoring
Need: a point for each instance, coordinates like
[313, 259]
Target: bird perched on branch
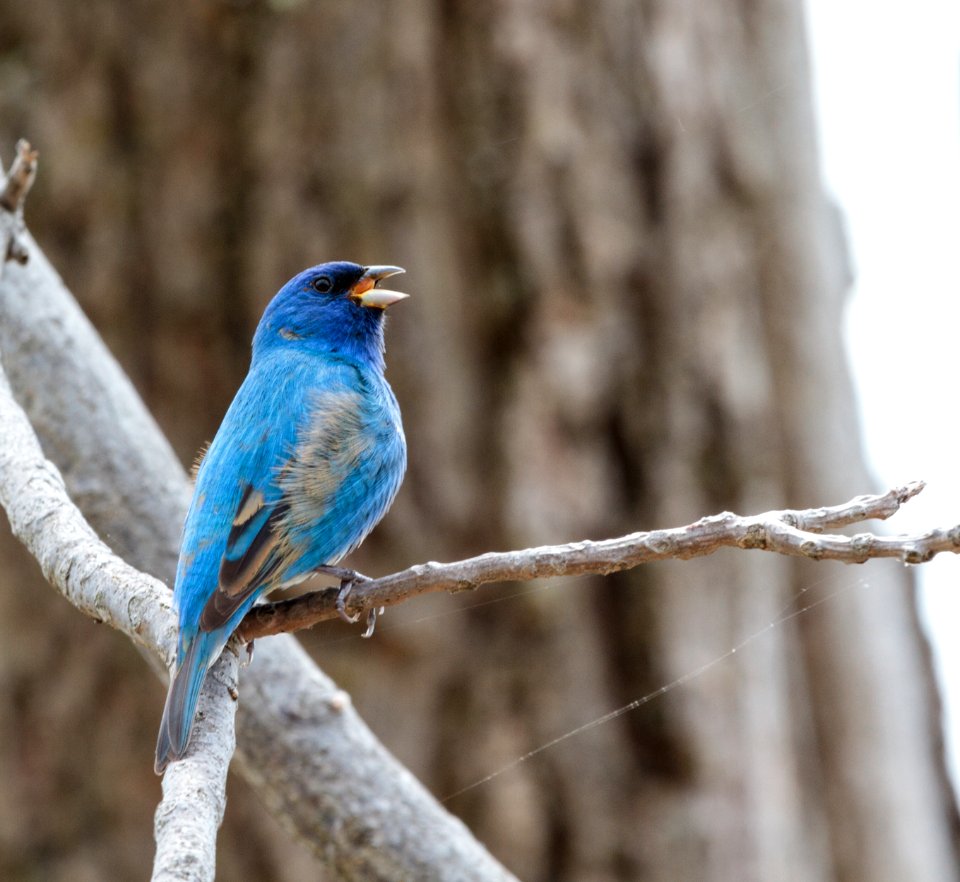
[308, 459]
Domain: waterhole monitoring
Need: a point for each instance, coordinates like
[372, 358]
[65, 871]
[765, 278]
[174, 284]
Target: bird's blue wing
[236, 469]
[227, 537]
[251, 560]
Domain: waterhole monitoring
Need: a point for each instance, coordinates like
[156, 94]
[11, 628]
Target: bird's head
[333, 308]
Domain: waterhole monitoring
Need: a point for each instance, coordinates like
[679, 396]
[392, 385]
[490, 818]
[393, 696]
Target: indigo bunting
[307, 460]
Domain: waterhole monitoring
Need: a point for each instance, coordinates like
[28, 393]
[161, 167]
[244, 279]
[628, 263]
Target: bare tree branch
[194, 789]
[96, 581]
[796, 533]
[70, 554]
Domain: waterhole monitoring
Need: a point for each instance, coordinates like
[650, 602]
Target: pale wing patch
[329, 448]
[251, 503]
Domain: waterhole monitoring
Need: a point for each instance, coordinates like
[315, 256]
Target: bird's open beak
[366, 292]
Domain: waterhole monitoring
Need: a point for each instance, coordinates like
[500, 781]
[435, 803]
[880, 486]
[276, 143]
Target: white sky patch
[887, 89]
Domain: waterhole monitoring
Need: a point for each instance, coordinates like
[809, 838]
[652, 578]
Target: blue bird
[307, 460]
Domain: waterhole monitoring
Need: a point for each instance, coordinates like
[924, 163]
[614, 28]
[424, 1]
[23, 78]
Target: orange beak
[366, 292]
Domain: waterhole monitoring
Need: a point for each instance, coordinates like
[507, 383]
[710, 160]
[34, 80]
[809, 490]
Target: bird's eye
[323, 284]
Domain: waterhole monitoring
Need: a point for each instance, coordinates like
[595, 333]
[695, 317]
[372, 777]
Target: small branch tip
[23, 171]
[908, 491]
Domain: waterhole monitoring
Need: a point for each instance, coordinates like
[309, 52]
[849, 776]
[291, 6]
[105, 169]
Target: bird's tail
[181, 707]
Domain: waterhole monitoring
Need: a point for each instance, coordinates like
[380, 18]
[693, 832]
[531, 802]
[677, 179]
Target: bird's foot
[342, 573]
[348, 578]
[249, 659]
[345, 588]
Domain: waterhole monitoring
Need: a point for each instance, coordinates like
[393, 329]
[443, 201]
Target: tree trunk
[627, 287]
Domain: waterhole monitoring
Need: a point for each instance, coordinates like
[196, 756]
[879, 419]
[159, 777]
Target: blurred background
[628, 289]
[890, 136]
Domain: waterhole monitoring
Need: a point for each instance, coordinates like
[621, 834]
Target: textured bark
[194, 790]
[93, 579]
[627, 296]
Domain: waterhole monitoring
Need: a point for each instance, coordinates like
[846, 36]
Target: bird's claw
[249, 658]
[349, 578]
[346, 586]
[372, 614]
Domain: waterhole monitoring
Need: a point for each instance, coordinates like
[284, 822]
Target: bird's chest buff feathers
[347, 465]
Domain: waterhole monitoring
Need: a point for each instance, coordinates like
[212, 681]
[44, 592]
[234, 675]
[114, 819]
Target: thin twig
[13, 191]
[20, 179]
[797, 533]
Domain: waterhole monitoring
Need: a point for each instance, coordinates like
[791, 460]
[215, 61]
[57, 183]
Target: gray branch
[70, 554]
[308, 754]
[194, 789]
[99, 583]
[797, 533]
